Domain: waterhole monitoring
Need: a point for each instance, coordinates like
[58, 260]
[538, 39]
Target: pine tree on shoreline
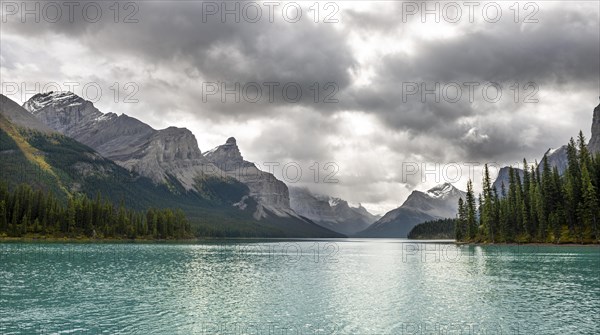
[542, 207]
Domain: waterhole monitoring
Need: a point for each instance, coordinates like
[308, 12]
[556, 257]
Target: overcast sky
[370, 62]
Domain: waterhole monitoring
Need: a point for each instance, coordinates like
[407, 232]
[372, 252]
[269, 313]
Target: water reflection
[299, 287]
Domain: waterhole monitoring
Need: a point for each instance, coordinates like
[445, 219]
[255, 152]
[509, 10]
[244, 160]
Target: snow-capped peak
[441, 190]
[62, 98]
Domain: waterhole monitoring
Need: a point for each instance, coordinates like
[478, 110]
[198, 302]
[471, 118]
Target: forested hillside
[543, 206]
[442, 229]
[28, 212]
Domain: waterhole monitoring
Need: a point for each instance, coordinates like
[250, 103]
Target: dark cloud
[259, 54]
[560, 50]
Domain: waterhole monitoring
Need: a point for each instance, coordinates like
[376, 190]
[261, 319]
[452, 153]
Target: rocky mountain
[594, 144]
[166, 156]
[438, 202]
[157, 154]
[332, 213]
[34, 154]
[271, 193]
[503, 178]
[558, 157]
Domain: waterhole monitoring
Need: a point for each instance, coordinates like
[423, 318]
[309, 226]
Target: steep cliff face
[157, 154]
[556, 158]
[503, 178]
[332, 213]
[594, 144]
[271, 193]
[172, 151]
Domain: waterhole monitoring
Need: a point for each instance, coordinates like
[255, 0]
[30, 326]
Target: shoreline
[569, 244]
[87, 240]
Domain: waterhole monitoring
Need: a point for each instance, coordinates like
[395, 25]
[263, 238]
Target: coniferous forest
[543, 206]
[435, 230]
[28, 212]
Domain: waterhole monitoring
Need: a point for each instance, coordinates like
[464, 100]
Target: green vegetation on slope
[26, 212]
[543, 207]
[442, 229]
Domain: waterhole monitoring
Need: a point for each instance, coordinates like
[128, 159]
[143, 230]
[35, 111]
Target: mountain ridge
[56, 162]
[438, 202]
[165, 155]
[330, 212]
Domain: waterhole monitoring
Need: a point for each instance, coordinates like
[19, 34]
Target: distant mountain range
[436, 203]
[330, 212]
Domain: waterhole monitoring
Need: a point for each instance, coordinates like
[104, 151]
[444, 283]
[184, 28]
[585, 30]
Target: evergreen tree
[3, 217]
[589, 208]
[24, 211]
[461, 229]
[543, 206]
[471, 212]
[485, 207]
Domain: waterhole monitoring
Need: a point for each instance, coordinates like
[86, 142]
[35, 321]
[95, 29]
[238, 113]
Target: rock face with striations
[332, 213]
[438, 202]
[271, 193]
[594, 144]
[157, 154]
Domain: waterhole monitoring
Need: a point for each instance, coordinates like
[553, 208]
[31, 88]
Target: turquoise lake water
[298, 287]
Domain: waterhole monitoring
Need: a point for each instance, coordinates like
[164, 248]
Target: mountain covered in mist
[330, 212]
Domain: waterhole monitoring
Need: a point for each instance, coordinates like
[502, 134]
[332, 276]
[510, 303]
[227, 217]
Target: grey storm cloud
[269, 54]
[562, 49]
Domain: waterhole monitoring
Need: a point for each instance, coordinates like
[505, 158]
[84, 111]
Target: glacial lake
[290, 287]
